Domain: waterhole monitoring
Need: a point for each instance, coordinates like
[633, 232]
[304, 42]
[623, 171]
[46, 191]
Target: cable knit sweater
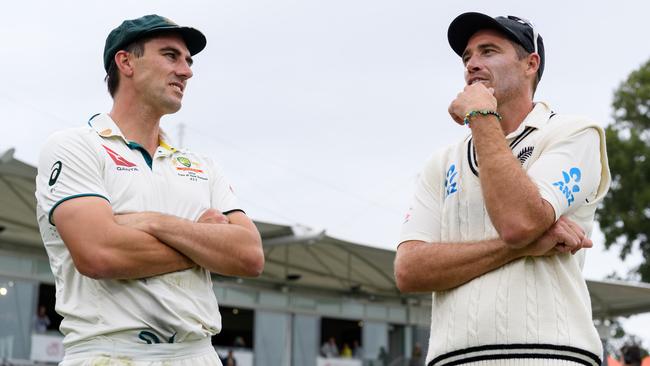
[534, 310]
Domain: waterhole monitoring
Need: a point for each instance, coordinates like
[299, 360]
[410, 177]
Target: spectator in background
[346, 351]
[329, 348]
[383, 356]
[631, 355]
[7, 335]
[357, 351]
[239, 342]
[229, 360]
[41, 321]
[416, 356]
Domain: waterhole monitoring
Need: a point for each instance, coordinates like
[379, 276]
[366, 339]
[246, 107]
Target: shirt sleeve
[222, 196]
[568, 172]
[68, 168]
[422, 221]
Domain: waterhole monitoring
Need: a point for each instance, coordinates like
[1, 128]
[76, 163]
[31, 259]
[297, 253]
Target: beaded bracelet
[484, 112]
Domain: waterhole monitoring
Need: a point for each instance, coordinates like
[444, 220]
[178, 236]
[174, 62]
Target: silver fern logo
[525, 153]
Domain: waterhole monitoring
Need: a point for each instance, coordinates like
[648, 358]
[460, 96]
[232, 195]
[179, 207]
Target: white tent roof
[613, 298]
[18, 227]
[295, 256]
[314, 260]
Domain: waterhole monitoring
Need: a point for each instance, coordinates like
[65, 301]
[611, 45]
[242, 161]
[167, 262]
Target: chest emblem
[119, 160]
[525, 153]
[185, 161]
[188, 168]
[187, 165]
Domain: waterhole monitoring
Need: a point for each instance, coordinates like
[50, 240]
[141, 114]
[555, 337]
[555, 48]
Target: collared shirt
[99, 161]
[457, 168]
[540, 302]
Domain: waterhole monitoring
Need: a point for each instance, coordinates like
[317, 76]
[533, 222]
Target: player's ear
[532, 63]
[123, 61]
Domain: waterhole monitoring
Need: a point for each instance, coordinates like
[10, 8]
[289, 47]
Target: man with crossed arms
[133, 226]
[498, 220]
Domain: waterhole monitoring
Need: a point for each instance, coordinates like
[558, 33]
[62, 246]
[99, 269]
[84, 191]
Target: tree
[624, 215]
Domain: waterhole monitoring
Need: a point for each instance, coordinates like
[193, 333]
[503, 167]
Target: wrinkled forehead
[486, 36]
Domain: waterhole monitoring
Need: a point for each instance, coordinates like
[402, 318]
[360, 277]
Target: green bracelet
[484, 112]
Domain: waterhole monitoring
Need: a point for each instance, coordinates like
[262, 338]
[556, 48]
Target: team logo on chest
[120, 162]
[525, 153]
[188, 168]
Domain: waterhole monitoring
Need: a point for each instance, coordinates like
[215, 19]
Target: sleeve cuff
[49, 216]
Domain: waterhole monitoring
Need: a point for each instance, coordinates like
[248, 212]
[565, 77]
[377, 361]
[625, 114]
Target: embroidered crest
[525, 153]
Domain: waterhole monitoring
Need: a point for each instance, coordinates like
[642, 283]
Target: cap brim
[465, 25]
[194, 39]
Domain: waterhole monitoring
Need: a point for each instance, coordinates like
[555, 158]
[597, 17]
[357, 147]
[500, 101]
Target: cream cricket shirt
[98, 161]
[534, 310]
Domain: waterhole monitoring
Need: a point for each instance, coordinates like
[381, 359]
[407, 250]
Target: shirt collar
[536, 119]
[105, 127]
[164, 142]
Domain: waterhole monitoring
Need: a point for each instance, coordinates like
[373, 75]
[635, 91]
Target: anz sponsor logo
[568, 185]
[451, 185]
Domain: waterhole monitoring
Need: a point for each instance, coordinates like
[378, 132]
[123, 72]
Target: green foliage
[624, 215]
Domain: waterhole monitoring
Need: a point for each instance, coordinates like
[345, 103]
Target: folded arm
[514, 204]
[231, 246]
[516, 208]
[101, 248]
[427, 267]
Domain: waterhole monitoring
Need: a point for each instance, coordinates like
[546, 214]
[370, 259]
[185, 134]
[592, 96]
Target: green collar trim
[145, 154]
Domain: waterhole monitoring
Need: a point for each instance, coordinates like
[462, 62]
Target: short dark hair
[522, 54]
[112, 78]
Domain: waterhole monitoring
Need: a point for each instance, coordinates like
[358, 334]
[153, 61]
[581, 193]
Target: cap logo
[528, 24]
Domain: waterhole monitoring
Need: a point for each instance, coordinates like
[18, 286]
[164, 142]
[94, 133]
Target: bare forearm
[513, 201]
[133, 254]
[101, 248]
[227, 249]
[427, 267]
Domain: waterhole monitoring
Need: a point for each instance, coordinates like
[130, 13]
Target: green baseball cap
[132, 30]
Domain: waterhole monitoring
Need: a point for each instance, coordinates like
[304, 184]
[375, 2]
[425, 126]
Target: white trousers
[113, 353]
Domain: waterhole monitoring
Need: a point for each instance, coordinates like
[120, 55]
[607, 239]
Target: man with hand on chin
[498, 220]
[133, 226]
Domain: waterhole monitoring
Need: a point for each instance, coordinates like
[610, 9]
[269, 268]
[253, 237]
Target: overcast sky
[321, 112]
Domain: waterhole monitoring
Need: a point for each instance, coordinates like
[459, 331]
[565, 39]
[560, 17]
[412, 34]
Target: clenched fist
[474, 97]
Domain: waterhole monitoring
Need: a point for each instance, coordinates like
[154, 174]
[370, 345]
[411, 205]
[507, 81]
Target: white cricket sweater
[532, 311]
